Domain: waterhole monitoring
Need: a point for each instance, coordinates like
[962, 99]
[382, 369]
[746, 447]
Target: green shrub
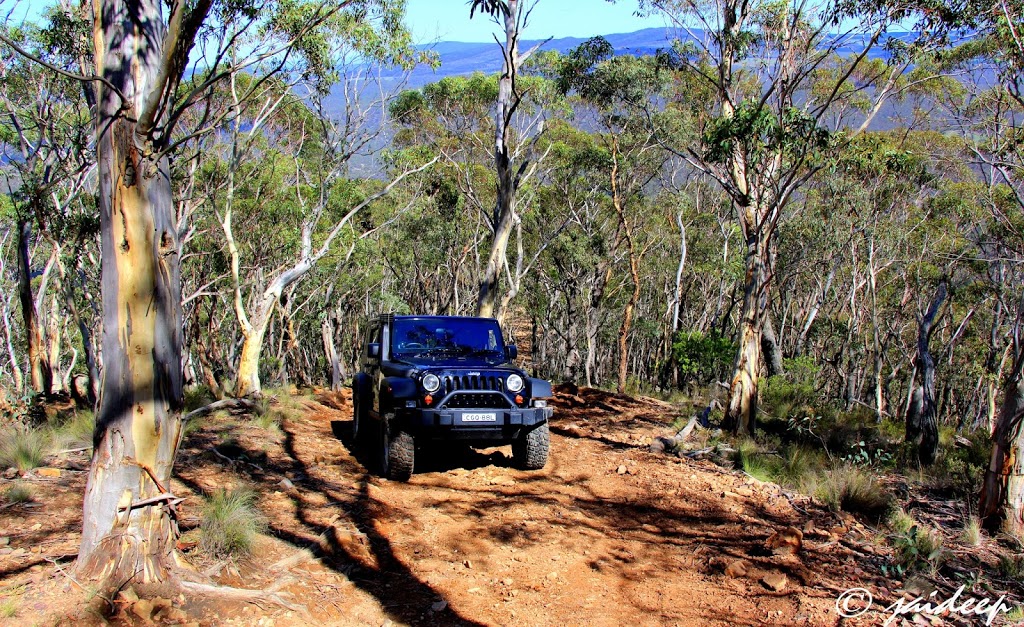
[794, 393]
[702, 359]
[919, 548]
[268, 421]
[8, 608]
[18, 493]
[853, 489]
[197, 396]
[960, 470]
[799, 467]
[899, 520]
[971, 535]
[231, 522]
[1011, 566]
[23, 449]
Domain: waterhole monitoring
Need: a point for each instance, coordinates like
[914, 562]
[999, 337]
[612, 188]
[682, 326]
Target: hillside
[608, 534]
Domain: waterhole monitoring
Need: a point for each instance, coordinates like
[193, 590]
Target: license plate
[489, 417]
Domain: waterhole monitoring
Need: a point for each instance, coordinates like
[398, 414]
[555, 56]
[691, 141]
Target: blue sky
[448, 20]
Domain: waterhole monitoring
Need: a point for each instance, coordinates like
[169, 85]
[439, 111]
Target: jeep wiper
[484, 352]
[442, 350]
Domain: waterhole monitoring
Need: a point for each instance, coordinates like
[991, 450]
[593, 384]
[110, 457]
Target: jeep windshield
[455, 340]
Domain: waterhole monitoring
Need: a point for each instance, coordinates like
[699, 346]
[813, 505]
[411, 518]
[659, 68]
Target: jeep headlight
[514, 383]
[431, 382]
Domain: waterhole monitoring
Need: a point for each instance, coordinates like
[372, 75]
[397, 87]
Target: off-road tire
[398, 452]
[360, 420]
[530, 450]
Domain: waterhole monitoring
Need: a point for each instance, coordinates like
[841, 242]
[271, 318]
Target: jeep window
[428, 340]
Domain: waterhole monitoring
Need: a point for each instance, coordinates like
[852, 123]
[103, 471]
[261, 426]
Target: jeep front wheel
[530, 450]
[398, 452]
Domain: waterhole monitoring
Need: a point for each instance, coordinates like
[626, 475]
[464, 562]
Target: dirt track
[607, 534]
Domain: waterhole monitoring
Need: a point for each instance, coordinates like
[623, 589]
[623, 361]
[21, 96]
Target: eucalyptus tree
[318, 147]
[453, 117]
[141, 54]
[510, 164]
[991, 123]
[45, 139]
[618, 88]
[776, 76]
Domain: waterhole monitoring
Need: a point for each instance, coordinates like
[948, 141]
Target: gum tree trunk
[921, 427]
[741, 410]
[506, 184]
[1002, 495]
[128, 530]
[40, 374]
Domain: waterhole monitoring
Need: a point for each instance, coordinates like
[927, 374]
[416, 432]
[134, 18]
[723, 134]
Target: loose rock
[786, 541]
[775, 581]
[736, 569]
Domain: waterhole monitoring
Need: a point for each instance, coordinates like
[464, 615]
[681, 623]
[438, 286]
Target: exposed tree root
[258, 597]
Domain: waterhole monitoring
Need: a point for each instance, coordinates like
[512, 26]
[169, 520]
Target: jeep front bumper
[495, 424]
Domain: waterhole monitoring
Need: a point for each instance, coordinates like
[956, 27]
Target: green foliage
[919, 548]
[800, 466]
[1011, 566]
[899, 521]
[8, 608]
[759, 132]
[18, 493]
[702, 359]
[75, 430]
[792, 394]
[960, 470]
[197, 396]
[23, 449]
[231, 522]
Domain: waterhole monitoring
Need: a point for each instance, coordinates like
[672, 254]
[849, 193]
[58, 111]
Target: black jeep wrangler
[441, 378]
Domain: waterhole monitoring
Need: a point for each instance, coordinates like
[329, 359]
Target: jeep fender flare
[540, 388]
[361, 386]
[394, 389]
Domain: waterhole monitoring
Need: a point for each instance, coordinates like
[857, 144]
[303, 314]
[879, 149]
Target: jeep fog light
[540, 403]
[514, 383]
[431, 382]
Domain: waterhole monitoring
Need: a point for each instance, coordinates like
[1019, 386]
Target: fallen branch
[227, 403]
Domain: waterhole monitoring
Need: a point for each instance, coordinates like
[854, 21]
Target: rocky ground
[608, 533]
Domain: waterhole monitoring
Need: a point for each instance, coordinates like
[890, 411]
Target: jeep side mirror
[373, 350]
[511, 352]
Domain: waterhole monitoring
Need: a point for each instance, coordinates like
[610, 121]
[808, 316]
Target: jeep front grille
[453, 383]
[471, 400]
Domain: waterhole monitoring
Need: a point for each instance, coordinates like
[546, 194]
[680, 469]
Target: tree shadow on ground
[366, 557]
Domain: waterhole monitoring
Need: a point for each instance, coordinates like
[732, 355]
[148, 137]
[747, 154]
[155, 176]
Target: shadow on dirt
[366, 557]
[644, 534]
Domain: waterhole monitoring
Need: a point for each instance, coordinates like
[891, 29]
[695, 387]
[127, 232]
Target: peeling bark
[1002, 495]
[40, 372]
[741, 410]
[128, 522]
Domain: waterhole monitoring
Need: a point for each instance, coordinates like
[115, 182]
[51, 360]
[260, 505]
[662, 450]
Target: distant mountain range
[463, 58]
